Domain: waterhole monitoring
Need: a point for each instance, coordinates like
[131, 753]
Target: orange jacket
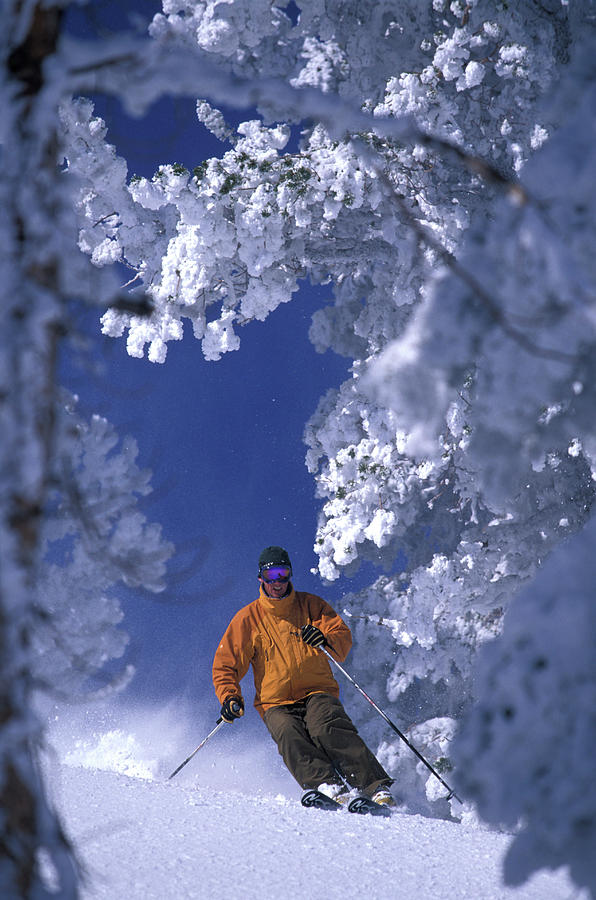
[266, 635]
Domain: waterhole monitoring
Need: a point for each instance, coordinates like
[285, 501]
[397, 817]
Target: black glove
[233, 708]
[313, 636]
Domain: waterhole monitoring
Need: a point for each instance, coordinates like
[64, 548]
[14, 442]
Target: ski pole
[218, 724]
[392, 725]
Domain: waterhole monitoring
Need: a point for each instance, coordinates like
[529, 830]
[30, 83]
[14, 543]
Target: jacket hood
[278, 607]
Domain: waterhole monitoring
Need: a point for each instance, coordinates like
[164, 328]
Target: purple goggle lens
[276, 573]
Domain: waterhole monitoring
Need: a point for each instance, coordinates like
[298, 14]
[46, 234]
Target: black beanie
[274, 556]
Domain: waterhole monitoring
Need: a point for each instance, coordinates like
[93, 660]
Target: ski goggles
[276, 573]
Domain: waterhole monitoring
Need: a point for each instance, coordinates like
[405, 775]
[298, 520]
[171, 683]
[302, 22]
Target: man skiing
[296, 693]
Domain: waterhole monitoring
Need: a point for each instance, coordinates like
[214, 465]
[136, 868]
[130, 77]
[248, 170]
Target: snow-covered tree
[442, 186]
[41, 457]
[94, 537]
[523, 753]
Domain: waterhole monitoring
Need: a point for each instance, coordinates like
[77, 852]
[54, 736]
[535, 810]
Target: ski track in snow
[139, 839]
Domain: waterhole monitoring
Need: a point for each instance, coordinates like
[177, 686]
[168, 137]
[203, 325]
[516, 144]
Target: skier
[296, 693]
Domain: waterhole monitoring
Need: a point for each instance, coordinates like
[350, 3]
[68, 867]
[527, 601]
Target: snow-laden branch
[138, 71]
[517, 194]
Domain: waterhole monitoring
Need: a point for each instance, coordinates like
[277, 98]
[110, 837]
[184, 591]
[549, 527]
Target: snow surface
[139, 835]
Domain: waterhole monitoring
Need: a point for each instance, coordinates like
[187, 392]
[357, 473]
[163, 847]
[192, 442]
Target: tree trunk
[32, 313]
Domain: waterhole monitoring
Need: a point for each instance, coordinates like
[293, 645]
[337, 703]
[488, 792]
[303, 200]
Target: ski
[316, 800]
[366, 806]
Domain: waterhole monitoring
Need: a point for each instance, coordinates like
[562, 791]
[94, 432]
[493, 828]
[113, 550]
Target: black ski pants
[316, 738]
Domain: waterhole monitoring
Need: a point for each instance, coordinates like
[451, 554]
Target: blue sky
[224, 439]
[224, 442]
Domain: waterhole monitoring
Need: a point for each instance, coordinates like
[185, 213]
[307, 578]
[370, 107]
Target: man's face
[276, 581]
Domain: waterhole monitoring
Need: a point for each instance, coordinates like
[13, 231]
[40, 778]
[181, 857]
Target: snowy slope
[149, 839]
